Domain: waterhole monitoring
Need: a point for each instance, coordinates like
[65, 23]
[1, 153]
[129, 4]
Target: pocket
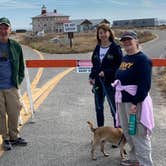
[141, 130]
[15, 92]
[1, 124]
[17, 98]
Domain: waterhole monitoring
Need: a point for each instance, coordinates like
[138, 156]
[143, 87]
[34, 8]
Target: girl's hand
[133, 109]
[92, 81]
[101, 74]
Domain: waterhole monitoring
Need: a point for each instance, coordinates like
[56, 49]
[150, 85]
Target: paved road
[60, 136]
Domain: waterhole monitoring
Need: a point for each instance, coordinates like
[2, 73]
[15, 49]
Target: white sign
[83, 69]
[70, 27]
[84, 66]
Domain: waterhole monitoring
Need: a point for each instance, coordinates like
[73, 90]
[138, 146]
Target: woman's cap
[5, 21]
[129, 34]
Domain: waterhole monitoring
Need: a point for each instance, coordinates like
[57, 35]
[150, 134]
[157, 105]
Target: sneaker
[114, 146]
[19, 142]
[7, 145]
[129, 163]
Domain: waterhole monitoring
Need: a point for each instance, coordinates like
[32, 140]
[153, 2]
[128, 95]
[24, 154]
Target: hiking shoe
[19, 142]
[129, 163]
[114, 146]
[7, 145]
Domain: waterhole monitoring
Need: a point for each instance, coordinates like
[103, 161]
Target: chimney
[43, 10]
[55, 11]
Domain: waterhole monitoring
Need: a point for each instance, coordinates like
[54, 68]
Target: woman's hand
[133, 109]
[92, 81]
[101, 74]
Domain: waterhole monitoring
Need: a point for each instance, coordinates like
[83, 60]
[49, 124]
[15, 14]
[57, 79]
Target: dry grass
[143, 36]
[161, 80]
[162, 27]
[82, 42]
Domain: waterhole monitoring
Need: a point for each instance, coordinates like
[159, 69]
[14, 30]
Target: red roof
[50, 14]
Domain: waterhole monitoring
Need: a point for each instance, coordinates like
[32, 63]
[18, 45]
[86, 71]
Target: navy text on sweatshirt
[135, 70]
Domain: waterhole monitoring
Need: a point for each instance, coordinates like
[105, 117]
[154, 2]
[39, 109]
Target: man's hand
[101, 74]
[133, 109]
[92, 81]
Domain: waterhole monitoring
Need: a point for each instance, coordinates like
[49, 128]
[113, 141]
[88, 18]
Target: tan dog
[107, 134]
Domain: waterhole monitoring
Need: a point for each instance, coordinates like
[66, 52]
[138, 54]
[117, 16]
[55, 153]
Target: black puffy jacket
[109, 65]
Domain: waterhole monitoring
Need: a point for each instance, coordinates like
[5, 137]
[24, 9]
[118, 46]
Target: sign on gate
[84, 66]
[70, 27]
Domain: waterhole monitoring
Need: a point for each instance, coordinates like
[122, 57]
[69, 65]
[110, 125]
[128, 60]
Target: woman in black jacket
[106, 59]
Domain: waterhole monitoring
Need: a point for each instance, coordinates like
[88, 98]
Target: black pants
[99, 96]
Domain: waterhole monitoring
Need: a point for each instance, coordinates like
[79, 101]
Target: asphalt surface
[61, 137]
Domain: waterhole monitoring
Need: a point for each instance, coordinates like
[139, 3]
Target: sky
[20, 12]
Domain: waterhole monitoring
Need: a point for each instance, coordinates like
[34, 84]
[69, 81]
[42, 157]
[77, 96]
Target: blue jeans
[99, 97]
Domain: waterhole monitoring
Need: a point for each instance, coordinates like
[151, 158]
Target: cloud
[15, 4]
[119, 2]
[116, 2]
[67, 3]
[147, 3]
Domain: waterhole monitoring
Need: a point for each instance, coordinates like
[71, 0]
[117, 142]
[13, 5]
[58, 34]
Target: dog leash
[107, 95]
[121, 139]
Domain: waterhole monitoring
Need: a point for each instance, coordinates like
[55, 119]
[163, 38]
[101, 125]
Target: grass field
[160, 78]
[82, 42]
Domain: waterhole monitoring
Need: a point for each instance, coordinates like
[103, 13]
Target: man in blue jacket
[11, 76]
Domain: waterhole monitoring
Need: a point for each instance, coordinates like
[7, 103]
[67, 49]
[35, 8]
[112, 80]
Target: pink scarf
[147, 118]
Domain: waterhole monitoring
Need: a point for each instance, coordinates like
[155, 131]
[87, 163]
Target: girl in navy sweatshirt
[134, 82]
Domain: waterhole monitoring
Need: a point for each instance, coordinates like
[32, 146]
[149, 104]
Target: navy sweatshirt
[109, 65]
[135, 70]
